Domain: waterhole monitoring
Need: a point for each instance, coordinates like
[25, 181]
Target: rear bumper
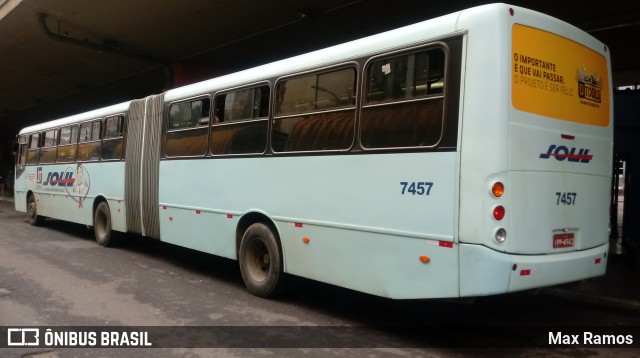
[484, 271]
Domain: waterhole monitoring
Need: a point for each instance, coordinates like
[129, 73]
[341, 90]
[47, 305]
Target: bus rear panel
[549, 144]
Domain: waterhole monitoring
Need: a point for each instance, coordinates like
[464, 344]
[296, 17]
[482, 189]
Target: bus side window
[22, 150]
[315, 112]
[49, 149]
[187, 130]
[240, 123]
[113, 143]
[67, 146]
[404, 101]
[90, 145]
[33, 153]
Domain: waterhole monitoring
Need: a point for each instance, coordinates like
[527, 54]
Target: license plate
[563, 240]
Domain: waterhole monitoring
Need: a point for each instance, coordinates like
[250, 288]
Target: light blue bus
[462, 156]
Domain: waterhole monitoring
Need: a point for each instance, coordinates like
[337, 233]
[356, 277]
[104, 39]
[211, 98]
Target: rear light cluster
[497, 190]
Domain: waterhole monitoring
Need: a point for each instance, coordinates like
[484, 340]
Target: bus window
[113, 143]
[22, 154]
[89, 147]
[67, 146]
[240, 123]
[49, 150]
[33, 153]
[187, 128]
[315, 112]
[404, 102]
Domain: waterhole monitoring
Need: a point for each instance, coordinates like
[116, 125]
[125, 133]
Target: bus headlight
[501, 235]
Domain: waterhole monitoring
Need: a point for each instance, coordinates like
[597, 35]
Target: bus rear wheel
[261, 261]
[102, 224]
[32, 211]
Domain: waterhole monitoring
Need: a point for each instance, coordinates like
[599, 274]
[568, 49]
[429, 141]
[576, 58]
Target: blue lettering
[546, 155]
[46, 182]
[562, 152]
[584, 156]
[68, 179]
[53, 178]
[561, 157]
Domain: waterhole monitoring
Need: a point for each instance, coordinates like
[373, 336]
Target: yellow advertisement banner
[555, 77]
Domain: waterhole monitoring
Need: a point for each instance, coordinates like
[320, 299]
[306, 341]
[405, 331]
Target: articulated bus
[462, 156]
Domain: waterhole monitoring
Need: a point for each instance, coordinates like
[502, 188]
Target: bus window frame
[33, 149]
[23, 146]
[49, 148]
[354, 65]
[166, 131]
[90, 140]
[71, 144]
[121, 136]
[444, 95]
[213, 124]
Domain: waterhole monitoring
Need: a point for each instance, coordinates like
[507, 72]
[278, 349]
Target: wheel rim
[259, 260]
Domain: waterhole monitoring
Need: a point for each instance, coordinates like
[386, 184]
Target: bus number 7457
[566, 198]
[416, 188]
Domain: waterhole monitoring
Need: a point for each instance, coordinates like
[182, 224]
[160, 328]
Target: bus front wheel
[102, 224]
[261, 261]
[32, 210]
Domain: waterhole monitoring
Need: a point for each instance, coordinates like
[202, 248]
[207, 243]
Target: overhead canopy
[62, 57]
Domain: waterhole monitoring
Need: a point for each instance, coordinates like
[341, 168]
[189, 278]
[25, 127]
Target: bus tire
[32, 210]
[261, 261]
[102, 225]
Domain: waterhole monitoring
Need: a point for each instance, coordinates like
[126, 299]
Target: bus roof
[403, 37]
[399, 38]
[76, 118]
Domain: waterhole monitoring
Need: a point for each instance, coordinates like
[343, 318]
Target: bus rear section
[543, 197]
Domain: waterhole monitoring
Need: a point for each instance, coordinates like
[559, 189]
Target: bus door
[19, 179]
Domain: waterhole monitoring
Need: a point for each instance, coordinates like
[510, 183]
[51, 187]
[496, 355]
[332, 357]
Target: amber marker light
[425, 259]
[305, 240]
[497, 189]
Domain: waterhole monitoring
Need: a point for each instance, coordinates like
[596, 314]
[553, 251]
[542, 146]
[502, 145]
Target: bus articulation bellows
[461, 156]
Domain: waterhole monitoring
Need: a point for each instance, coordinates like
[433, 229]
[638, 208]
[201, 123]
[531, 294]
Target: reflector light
[229, 216]
[425, 259]
[498, 212]
[525, 272]
[448, 244]
[497, 189]
[511, 12]
[298, 224]
[598, 260]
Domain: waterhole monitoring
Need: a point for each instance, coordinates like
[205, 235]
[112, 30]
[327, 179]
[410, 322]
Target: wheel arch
[254, 217]
[99, 199]
[29, 193]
